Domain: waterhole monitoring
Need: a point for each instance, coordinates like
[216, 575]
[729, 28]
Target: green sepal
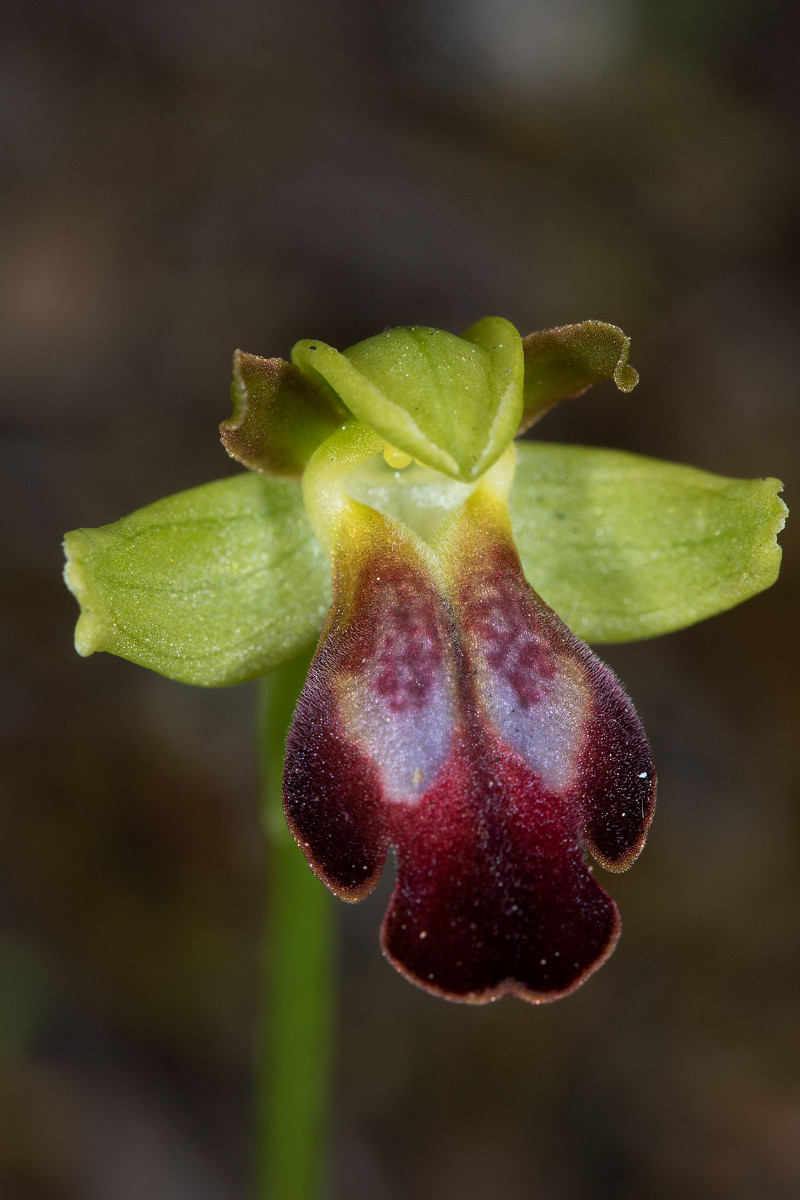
[453, 403]
[212, 586]
[625, 547]
[563, 362]
[280, 416]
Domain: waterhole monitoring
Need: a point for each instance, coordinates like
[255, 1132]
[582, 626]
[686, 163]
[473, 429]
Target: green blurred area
[179, 180]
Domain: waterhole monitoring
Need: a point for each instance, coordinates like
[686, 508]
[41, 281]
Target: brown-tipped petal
[563, 362]
[279, 417]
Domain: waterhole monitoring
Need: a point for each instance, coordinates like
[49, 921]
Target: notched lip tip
[509, 986]
[490, 995]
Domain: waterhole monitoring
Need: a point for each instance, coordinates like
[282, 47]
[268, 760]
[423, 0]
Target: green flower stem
[294, 1056]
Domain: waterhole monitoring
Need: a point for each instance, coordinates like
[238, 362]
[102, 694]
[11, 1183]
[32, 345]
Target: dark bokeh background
[179, 179]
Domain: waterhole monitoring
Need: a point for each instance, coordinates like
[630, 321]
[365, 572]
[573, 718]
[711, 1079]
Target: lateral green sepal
[453, 403]
[280, 416]
[625, 547]
[563, 362]
[212, 586]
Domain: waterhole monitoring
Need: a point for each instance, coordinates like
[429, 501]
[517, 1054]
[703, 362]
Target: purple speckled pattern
[469, 730]
[408, 650]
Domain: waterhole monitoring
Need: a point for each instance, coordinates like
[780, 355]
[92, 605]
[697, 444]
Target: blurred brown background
[179, 179]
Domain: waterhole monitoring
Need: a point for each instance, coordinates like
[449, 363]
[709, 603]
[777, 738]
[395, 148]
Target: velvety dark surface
[179, 180]
[468, 730]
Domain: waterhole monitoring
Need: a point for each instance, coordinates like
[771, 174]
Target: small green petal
[625, 547]
[211, 586]
[453, 403]
[564, 362]
[280, 416]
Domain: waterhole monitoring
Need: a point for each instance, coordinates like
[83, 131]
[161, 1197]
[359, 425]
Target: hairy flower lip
[451, 716]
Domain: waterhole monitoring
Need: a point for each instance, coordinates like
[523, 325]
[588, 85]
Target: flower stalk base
[295, 1017]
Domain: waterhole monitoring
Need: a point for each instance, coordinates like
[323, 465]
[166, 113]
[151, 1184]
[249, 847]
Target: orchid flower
[449, 714]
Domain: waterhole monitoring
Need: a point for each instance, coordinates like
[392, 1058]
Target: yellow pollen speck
[417, 777]
[394, 458]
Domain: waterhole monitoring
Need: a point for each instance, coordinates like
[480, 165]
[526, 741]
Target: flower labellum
[449, 714]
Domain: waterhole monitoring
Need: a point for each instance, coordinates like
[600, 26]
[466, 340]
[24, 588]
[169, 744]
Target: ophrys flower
[449, 713]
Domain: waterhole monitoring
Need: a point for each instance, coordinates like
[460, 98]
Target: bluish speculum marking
[408, 651]
[398, 694]
[535, 698]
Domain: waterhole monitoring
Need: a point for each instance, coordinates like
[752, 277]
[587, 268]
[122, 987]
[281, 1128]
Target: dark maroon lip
[493, 893]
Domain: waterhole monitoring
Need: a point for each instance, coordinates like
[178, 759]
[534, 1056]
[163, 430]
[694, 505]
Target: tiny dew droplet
[396, 459]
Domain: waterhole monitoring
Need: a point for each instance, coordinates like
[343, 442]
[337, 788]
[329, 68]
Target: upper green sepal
[563, 362]
[625, 547]
[212, 586]
[453, 403]
[280, 416]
